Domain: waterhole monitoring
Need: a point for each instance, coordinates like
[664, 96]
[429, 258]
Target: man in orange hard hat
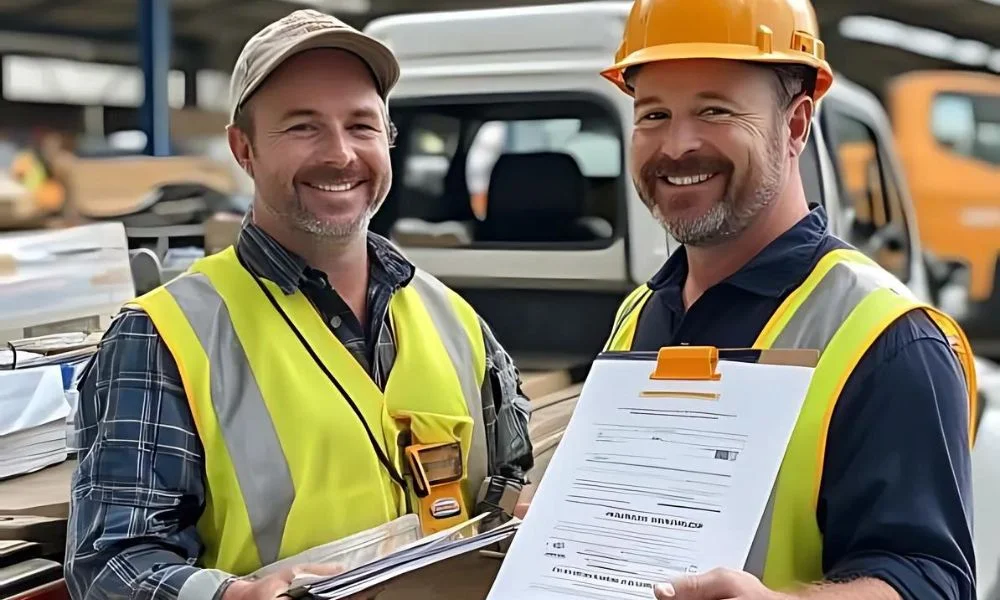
[873, 496]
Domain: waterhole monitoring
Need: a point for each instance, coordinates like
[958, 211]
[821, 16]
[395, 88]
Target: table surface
[44, 493]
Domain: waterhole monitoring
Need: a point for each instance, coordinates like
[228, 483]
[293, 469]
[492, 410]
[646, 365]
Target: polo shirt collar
[777, 269]
[267, 258]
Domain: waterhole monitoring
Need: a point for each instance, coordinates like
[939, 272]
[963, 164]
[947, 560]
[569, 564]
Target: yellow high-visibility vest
[840, 309]
[289, 466]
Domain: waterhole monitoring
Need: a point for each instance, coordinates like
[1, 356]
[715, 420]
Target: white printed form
[652, 479]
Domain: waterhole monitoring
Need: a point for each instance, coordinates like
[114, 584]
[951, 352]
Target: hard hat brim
[616, 73]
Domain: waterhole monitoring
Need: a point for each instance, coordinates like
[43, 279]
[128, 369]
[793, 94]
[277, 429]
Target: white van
[510, 171]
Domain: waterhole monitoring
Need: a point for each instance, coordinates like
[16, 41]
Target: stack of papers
[54, 349]
[23, 359]
[49, 278]
[426, 551]
[33, 413]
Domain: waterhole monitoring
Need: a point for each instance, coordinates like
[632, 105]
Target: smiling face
[709, 146]
[315, 142]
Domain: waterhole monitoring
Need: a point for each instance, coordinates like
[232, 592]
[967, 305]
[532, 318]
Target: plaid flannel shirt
[140, 486]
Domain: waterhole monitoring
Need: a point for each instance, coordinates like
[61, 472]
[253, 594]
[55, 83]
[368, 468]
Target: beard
[307, 222]
[288, 205]
[741, 200]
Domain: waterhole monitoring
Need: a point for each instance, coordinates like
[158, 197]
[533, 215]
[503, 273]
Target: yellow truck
[947, 130]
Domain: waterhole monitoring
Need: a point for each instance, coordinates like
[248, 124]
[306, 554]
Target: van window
[431, 145]
[503, 172]
[968, 125]
[879, 227]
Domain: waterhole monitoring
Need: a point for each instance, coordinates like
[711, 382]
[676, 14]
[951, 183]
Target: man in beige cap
[262, 403]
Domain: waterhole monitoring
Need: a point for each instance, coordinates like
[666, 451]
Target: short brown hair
[243, 121]
[791, 81]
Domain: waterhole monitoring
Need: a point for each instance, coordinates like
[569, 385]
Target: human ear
[799, 118]
[242, 149]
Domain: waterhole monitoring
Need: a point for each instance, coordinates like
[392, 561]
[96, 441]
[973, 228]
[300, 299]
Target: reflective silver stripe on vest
[820, 316]
[456, 341]
[813, 327]
[246, 425]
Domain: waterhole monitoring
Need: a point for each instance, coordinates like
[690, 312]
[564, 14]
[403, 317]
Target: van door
[877, 215]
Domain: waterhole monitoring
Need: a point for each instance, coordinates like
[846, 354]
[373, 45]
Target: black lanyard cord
[393, 473]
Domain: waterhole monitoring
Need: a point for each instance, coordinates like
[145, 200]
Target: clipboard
[700, 363]
[683, 438]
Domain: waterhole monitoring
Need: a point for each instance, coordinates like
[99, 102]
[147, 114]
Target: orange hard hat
[764, 31]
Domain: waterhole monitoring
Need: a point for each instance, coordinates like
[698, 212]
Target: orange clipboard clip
[687, 362]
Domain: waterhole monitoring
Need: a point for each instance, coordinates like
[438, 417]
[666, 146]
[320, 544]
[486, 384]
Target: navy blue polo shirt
[896, 494]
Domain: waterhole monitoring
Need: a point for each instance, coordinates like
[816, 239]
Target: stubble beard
[332, 231]
[732, 215]
[299, 218]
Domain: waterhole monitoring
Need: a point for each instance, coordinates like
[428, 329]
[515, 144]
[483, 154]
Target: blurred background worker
[258, 405]
[874, 492]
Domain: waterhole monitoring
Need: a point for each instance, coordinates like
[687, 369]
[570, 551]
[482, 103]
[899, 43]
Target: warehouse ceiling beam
[112, 45]
[208, 34]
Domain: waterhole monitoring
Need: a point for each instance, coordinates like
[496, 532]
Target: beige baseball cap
[301, 30]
